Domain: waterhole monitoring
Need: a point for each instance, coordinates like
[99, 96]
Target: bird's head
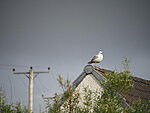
[100, 52]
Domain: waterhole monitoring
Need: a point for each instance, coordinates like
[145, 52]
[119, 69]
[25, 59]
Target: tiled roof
[141, 88]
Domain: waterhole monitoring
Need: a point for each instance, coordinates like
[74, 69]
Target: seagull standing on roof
[97, 59]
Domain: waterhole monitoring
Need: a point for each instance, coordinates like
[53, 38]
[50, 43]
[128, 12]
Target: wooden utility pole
[30, 103]
[31, 75]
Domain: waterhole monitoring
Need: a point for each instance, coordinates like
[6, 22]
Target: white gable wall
[91, 83]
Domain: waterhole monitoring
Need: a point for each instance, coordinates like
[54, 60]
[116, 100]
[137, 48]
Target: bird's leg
[95, 64]
[98, 65]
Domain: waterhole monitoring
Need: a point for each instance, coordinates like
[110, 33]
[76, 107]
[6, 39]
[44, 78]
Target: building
[92, 75]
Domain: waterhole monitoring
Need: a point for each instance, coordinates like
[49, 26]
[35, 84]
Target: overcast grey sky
[65, 34]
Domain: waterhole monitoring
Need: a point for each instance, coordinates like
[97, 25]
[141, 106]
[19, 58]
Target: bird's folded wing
[95, 57]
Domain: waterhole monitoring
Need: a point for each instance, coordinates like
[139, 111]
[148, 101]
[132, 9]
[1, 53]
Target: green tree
[10, 108]
[111, 100]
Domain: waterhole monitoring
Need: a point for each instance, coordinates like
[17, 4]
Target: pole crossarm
[25, 73]
[19, 73]
[40, 72]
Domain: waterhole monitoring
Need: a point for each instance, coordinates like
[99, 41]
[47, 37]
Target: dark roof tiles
[141, 87]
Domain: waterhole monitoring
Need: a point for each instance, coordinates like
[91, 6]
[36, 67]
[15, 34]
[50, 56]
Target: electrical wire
[53, 76]
[5, 68]
[23, 66]
[24, 83]
[38, 89]
[11, 88]
[42, 84]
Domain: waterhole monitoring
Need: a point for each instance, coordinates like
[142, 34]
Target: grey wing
[95, 57]
[92, 61]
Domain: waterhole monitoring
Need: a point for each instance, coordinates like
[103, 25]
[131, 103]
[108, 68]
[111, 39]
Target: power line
[37, 87]
[53, 73]
[5, 68]
[23, 66]
[10, 88]
[25, 84]
[42, 84]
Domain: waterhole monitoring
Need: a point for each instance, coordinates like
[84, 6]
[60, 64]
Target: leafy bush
[10, 108]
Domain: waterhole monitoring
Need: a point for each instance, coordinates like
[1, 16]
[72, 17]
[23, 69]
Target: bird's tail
[89, 62]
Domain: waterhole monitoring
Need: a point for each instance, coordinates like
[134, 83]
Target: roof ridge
[101, 69]
[142, 79]
[136, 79]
